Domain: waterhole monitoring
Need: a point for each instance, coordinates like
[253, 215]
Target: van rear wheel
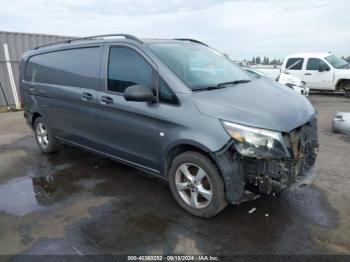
[196, 184]
[44, 137]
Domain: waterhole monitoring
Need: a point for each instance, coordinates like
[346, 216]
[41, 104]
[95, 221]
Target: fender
[232, 172]
[183, 142]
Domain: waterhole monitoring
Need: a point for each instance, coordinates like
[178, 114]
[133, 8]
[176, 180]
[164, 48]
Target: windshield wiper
[207, 88]
[233, 82]
[221, 85]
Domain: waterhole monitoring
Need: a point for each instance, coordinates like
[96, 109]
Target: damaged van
[177, 109]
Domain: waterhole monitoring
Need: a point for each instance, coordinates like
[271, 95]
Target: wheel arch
[179, 148]
[339, 84]
[228, 166]
[34, 117]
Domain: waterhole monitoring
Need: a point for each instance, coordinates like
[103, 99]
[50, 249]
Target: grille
[303, 140]
[304, 147]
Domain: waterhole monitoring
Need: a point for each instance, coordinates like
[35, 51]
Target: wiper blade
[207, 88]
[234, 82]
[221, 85]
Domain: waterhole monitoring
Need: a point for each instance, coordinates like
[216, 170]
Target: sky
[240, 28]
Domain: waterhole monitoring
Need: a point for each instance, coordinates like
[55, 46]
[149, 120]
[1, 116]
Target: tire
[193, 196]
[44, 137]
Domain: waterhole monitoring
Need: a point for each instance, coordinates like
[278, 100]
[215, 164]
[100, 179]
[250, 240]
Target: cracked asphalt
[74, 202]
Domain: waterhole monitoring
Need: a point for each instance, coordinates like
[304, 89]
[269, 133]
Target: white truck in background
[319, 71]
[285, 79]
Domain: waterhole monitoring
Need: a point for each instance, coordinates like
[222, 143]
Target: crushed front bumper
[270, 175]
[274, 175]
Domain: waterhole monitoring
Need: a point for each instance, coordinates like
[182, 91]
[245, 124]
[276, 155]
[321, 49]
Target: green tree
[258, 60]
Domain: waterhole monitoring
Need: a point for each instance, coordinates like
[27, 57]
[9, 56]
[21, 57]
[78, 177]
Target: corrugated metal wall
[18, 43]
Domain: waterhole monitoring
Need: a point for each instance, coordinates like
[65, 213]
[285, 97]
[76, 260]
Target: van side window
[294, 63]
[78, 67]
[41, 69]
[166, 95]
[315, 63]
[126, 68]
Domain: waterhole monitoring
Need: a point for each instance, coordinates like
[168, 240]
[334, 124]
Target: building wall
[18, 43]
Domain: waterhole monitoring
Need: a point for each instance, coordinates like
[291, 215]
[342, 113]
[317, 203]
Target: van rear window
[74, 67]
[41, 69]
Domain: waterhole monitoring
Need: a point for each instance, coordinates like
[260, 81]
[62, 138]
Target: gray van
[177, 109]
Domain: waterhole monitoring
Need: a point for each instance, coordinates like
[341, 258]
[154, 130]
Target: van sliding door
[75, 94]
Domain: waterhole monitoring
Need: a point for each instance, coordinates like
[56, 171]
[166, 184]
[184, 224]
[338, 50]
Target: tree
[258, 60]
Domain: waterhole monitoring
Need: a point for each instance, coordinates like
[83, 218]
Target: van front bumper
[274, 175]
[267, 176]
[270, 175]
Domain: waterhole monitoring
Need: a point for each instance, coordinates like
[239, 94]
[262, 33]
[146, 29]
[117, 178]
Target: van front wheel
[196, 184]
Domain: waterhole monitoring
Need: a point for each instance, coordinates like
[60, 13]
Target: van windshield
[199, 66]
[337, 62]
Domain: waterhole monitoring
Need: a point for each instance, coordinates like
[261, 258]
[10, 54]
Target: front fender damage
[232, 172]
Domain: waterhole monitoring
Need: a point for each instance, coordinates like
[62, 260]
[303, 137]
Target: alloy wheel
[42, 135]
[193, 185]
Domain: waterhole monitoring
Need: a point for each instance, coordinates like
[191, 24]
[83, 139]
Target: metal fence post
[12, 80]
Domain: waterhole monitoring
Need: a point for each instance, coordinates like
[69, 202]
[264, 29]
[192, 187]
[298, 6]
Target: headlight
[255, 142]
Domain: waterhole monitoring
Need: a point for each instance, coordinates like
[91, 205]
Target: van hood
[261, 103]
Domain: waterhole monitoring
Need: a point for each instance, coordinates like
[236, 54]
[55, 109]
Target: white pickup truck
[285, 79]
[320, 71]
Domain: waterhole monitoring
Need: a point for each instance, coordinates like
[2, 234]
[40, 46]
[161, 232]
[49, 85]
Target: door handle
[86, 96]
[31, 89]
[105, 100]
[286, 73]
[308, 74]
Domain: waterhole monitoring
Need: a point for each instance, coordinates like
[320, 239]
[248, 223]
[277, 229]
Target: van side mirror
[139, 93]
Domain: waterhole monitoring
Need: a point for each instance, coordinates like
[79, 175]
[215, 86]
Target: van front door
[128, 131]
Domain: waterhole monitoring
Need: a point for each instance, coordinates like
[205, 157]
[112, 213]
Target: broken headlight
[255, 142]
